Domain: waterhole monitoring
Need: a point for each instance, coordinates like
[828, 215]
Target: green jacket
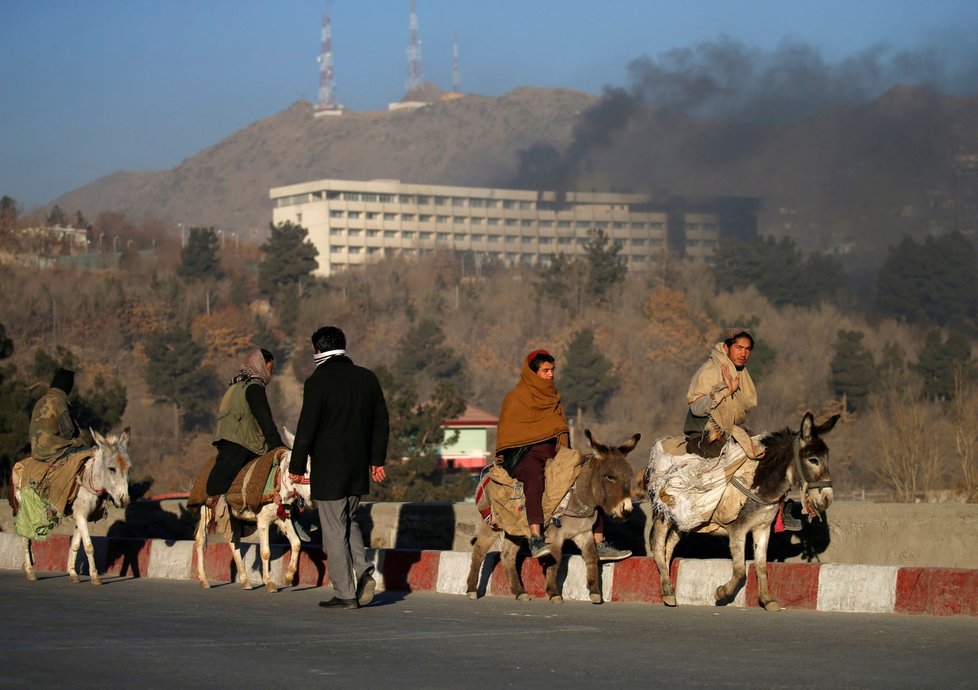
[236, 423]
[53, 432]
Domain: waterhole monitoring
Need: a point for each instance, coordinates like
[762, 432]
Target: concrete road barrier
[821, 587]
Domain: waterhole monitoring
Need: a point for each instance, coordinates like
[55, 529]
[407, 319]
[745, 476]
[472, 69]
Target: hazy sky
[95, 86]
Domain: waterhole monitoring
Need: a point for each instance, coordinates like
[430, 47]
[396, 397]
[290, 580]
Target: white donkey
[267, 515]
[104, 475]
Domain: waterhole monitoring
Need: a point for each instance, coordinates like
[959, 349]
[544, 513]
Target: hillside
[866, 174]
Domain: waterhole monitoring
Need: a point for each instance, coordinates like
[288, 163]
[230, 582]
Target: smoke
[729, 81]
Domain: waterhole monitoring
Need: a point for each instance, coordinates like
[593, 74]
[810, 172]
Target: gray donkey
[605, 482]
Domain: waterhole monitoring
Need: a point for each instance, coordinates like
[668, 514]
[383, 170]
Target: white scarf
[321, 357]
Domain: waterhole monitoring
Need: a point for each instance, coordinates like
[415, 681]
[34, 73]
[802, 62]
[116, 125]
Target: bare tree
[906, 437]
[963, 413]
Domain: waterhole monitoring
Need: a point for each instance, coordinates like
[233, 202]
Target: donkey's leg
[507, 554]
[200, 545]
[738, 547]
[28, 559]
[295, 546]
[483, 542]
[82, 535]
[551, 565]
[592, 565]
[234, 538]
[264, 520]
[662, 535]
[761, 535]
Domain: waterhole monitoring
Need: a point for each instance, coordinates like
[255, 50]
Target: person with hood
[53, 431]
[532, 428]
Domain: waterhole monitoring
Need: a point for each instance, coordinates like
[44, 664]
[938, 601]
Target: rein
[87, 478]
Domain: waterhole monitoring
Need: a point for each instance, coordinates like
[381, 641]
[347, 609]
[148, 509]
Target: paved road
[166, 633]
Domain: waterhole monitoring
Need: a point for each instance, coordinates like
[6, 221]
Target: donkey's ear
[828, 425]
[807, 426]
[599, 447]
[289, 438]
[98, 438]
[629, 445]
[124, 439]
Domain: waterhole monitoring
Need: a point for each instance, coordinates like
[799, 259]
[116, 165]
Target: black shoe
[366, 587]
[539, 547]
[300, 531]
[337, 603]
[791, 522]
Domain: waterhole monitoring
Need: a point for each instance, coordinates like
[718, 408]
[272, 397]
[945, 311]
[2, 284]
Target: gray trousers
[346, 557]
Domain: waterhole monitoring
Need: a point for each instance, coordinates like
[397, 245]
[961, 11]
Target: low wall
[918, 535]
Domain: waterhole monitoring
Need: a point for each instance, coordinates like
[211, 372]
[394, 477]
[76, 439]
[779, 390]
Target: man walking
[343, 428]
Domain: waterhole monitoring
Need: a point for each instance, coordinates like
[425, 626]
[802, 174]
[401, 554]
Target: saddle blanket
[253, 486]
[55, 481]
[694, 492]
[501, 500]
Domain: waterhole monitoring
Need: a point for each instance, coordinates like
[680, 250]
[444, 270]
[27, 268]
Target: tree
[6, 344]
[9, 213]
[853, 369]
[587, 381]
[779, 271]
[174, 374]
[102, 407]
[935, 282]
[606, 269]
[288, 258]
[564, 283]
[941, 361]
[57, 217]
[199, 259]
[425, 360]
[416, 434]
[15, 412]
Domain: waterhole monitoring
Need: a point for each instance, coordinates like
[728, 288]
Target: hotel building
[353, 223]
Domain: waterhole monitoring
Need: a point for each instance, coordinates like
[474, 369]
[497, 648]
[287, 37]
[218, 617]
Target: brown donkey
[605, 482]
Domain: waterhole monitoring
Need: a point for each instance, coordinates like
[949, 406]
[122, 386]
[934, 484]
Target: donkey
[267, 515]
[799, 460]
[605, 482]
[103, 475]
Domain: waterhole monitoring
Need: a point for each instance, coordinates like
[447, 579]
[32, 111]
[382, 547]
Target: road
[168, 633]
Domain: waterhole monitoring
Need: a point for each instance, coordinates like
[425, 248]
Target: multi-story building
[354, 223]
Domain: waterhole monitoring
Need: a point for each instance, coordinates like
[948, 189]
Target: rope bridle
[805, 487]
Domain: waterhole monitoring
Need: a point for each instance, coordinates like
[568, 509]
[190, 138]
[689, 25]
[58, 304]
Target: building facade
[352, 223]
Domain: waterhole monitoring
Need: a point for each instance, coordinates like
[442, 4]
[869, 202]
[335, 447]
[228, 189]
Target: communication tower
[456, 73]
[414, 78]
[327, 84]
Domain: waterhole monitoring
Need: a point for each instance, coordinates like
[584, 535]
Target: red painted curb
[937, 592]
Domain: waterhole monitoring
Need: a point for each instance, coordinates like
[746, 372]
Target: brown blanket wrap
[56, 481]
[248, 488]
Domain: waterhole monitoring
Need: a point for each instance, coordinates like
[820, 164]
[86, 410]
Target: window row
[336, 214]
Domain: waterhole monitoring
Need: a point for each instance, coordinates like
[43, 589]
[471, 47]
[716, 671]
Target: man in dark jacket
[343, 429]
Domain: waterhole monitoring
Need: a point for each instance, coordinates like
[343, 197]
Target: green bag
[34, 519]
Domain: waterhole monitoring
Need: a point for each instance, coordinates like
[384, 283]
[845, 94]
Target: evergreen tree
[199, 259]
[935, 282]
[606, 269]
[587, 380]
[102, 407]
[57, 217]
[288, 259]
[416, 434]
[15, 412]
[564, 282]
[175, 374]
[892, 368]
[424, 358]
[940, 361]
[853, 369]
[6, 344]
[9, 213]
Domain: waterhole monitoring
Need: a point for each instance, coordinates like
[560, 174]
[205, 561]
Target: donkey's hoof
[773, 606]
[523, 597]
[669, 600]
[96, 580]
[74, 578]
[271, 587]
[204, 584]
[720, 594]
[597, 599]
[31, 577]
[246, 585]
[556, 599]
[472, 595]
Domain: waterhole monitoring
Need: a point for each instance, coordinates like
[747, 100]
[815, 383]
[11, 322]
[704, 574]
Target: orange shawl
[531, 413]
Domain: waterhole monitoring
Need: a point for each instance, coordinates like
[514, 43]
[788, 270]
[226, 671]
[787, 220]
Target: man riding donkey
[721, 394]
[246, 430]
[532, 429]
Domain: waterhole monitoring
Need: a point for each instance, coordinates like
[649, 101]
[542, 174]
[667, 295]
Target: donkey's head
[110, 467]
[610, 478]
[811, 469]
